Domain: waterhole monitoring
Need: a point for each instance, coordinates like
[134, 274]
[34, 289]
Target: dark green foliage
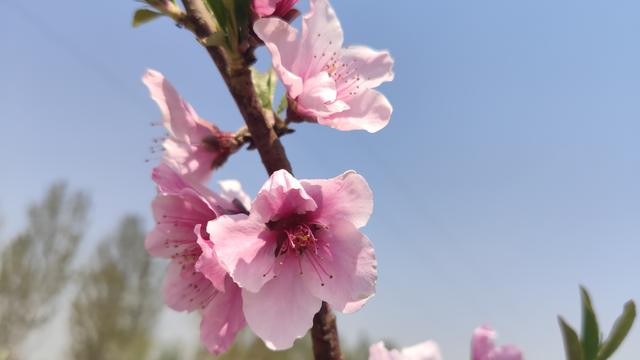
[590, 346]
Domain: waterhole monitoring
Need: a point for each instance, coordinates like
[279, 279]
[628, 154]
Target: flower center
[298, 239]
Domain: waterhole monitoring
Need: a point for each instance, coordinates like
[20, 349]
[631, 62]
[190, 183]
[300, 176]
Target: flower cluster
[482, 348]
[270, 263]
[261, 263]
[324, 81]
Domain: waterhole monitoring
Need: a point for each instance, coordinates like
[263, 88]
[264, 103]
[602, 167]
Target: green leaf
[243, 12]
[282, 106]
[265, 85]
[590, 330]
[221, 13]
[619, 331]
[142, 16]
[572, 347]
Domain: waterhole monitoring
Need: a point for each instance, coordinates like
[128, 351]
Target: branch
[240, 84]
[324, 334]
[237, 75]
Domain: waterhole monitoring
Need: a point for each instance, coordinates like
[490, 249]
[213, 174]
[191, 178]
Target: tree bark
[326, 345]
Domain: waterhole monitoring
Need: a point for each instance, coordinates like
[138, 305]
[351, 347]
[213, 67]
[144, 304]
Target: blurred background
[508, 175]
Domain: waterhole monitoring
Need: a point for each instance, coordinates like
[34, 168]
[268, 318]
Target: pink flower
[427, 350]
[194, 147]
[330, 84]
[299, 246]
[483, 347]
[194, 279]
[278, 8]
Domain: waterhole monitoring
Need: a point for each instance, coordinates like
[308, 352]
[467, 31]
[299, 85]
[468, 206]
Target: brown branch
[324, 333]
[237, 76]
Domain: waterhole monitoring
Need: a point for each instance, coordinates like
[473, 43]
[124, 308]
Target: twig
[260, 123]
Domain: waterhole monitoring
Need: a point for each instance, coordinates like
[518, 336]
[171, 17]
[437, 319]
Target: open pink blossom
[427, 350]
[278, 8]
[193, 146]
[194, 279]
[483, 347]
[328, 83]
[300, 245]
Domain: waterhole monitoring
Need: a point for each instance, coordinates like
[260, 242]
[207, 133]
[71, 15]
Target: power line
[91, 63]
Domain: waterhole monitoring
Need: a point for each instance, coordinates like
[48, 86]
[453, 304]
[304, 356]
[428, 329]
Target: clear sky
[509, 174]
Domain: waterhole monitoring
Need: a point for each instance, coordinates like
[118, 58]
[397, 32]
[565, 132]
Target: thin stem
[237, 76]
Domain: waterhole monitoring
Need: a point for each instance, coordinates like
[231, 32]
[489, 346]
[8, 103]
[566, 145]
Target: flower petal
[368, 110]
[245, 248]
[222, 319]
[170, 241]
[427, 350]
[282, 311]
[170, 181]
[319, 97]
[208, 263]
[482, 342]
[347, 257]
[281, 196]
[378, 351]
[179, 118]
[194, 163]
[344, 197]
[280, 39]
[321, 39]
[185, 288]
[370, 67]
[264, 7]
[508, 352]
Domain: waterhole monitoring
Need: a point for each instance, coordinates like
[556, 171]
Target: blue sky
[508, 175]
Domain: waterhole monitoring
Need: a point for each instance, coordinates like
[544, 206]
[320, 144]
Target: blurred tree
[36, 265]
[117, 304]
[250, 347]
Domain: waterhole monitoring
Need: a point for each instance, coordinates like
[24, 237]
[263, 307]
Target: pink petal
[482, 343]
[508, 352]
[282, 310]
[179, 117]
[378, 351]
[186, 209]
[371, 68]
[245, 248]
[280, 39]
[369, 110]
[167, 179]
[265, 7]
[320, 41]
[195, 163]
[176, 217]
[222, 319]
[427, 350]
[281, 196]
[168, 241]
[185, 288]
[172, 182]
[347, 256]
[319, 97]
[208, 263]
[355, 305]
[344, 197]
